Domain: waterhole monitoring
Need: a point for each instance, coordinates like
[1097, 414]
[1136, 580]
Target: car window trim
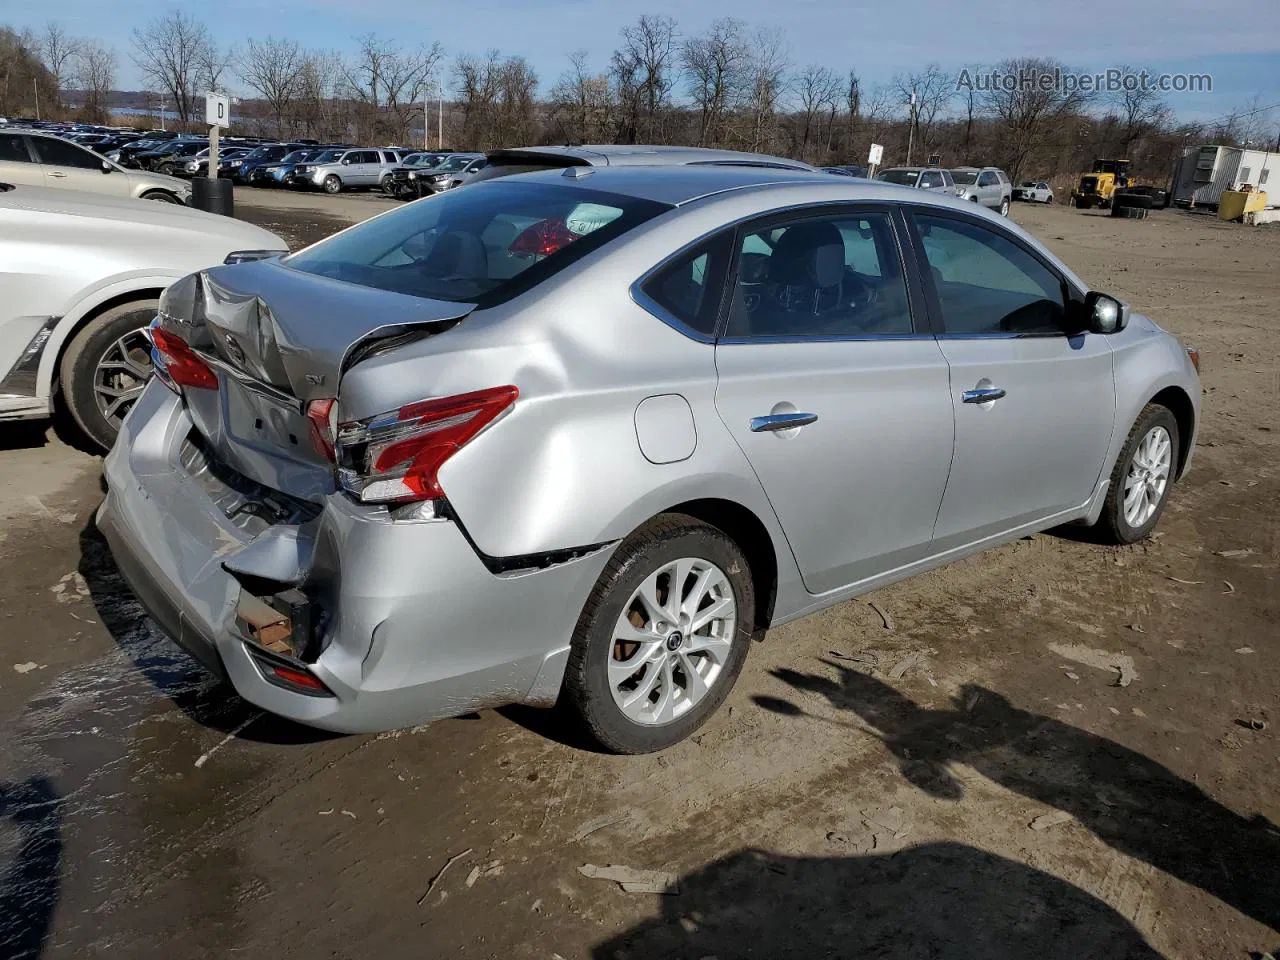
[813, 212]
[934, 304]
[650, 305]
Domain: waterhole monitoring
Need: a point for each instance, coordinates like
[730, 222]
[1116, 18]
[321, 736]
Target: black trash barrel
[213, 195]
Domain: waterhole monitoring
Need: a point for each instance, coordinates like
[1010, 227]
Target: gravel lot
[951, 787]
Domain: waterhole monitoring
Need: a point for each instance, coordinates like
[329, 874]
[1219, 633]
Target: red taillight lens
[320, 418]
[542, 239]
[177, 364]
[395, 458]
[300, 680]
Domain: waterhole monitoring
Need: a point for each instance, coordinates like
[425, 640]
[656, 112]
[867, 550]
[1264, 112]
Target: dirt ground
[956, 786]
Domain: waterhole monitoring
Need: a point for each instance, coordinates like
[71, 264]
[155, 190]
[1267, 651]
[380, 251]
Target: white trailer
[1205, 172]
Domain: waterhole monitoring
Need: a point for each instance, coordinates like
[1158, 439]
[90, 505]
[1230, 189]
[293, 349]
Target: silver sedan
[584, 435]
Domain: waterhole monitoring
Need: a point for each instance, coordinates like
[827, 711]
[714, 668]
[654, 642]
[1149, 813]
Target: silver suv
[988, 186]
[921, 178]
[361, 167]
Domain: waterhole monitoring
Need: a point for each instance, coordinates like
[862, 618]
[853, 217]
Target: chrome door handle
[55, 173]
[982, 395]
[781, 421]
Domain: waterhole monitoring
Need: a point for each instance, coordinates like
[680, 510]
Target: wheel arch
[80, 316]
[1178, 402]
[751, 535]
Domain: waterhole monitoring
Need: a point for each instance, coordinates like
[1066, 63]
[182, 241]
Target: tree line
[728, 85]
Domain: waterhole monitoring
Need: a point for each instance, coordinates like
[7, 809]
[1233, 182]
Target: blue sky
[1237, 41]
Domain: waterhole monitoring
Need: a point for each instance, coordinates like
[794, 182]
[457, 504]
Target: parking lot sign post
[874, 156]
[210, 193]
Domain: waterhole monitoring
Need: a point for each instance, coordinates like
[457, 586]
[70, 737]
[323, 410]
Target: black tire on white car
[589, 692]
[91, 371]
[163, 196]
[1004, 207]
[1121, 525]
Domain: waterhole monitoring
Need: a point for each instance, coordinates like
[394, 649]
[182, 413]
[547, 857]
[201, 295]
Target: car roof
[616, 155]
[676, 185]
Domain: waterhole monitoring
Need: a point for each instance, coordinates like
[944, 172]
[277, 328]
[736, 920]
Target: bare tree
[717, 65]
[497, 98]
[643, 75]
[21, 72]
[171, 51]
[272, 68]
[933, 91]
[95, 72]
[1026, 114]
[59, 50]
[853, 112]
[1139, 111]
[316, 102]
[517, 90]
[817, 89]
[765, 88]
[580, 102]
[212, 63]
[391, 84]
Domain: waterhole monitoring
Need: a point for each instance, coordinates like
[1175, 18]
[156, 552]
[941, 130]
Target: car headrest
[809, 253]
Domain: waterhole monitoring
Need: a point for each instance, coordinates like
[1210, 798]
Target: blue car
[263, 156]
[277, 174]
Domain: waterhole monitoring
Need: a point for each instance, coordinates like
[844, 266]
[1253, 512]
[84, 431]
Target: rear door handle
[56, 173]
[781, 421]
[982, 395]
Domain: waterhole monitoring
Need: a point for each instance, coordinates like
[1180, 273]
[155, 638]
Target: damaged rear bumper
[412, 624]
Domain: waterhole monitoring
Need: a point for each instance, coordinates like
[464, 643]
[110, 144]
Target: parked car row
[987, 186]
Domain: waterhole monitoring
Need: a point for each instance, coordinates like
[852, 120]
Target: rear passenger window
[986, 283]
[13, 148]
[690, 287]
[829, 277]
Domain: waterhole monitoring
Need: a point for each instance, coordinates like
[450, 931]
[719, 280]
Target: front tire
[1004, 207]
[1142, 477]
[106, 367]
[663, 636]
[161, 196]
[332, 184]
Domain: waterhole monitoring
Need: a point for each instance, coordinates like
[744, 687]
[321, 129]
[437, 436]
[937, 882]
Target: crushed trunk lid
[279, 339]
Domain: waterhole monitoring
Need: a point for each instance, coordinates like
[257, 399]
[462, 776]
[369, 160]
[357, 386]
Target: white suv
[360, 167]
[31, 158]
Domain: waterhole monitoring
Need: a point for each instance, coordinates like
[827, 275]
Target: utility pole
[911, 131]
[35, 85]
[440, 122]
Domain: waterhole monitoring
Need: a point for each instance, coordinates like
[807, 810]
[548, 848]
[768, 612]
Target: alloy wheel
[121, 374]
[1148, 476]
[672, 641]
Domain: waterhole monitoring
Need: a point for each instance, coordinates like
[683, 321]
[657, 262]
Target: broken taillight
[396, 457]
[322, 420]
[177, 364]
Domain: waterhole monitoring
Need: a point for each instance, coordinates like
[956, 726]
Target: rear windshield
[964, 176]
[906, 178]
[483, 245]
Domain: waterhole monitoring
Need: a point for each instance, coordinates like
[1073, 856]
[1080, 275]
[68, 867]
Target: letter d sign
[217, 110]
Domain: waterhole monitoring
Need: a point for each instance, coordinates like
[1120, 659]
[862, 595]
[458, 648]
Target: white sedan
[81, 280]
[1033, 191]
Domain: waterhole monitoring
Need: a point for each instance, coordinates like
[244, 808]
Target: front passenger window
[987, 283]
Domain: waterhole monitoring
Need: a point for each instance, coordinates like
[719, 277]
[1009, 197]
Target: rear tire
[332, 184]
[1129, 526]
[388, 185]
[89, 388]
[595, 682]
[1004, 207]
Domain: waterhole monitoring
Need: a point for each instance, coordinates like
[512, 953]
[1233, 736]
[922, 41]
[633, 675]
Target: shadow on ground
[942, 901]
[170, 671]
[1132, 803]
[29, 884]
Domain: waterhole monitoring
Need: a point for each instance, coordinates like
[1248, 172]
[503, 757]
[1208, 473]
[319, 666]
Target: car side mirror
[106, 167]
[1104, 314]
